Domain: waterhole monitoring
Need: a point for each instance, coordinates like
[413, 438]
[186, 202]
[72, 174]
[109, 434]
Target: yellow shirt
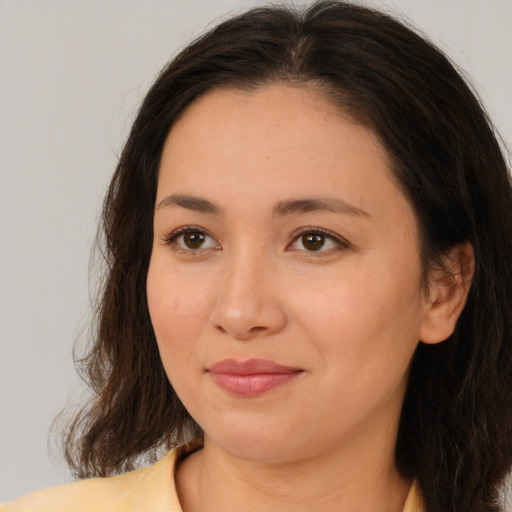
[144, 490]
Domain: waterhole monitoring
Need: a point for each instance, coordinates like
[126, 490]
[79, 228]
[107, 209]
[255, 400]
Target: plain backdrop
[72, 73]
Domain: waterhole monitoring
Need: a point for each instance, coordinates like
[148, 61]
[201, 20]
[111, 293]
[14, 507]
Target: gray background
[72, 73]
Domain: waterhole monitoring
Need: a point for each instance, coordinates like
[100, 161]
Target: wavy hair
[455, 432]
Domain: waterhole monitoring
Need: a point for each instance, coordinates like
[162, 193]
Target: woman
[308, 289]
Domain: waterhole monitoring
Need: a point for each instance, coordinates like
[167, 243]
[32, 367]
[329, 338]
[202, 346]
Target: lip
[252, 377]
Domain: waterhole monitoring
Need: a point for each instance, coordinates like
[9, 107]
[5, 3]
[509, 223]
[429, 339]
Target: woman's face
[285, 282]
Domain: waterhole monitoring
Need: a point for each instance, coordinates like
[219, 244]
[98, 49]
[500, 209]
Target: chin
[263, 445]
[256, 450]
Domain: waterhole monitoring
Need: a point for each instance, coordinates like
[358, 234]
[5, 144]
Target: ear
[448, 290]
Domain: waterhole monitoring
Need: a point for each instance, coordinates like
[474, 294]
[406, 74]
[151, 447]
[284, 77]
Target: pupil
[313, 242]
[193, 240]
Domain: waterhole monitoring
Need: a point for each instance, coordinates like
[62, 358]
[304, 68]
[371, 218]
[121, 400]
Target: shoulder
[150, 488]
[414, 502]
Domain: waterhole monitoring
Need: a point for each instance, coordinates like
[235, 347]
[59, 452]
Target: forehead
[274, 140]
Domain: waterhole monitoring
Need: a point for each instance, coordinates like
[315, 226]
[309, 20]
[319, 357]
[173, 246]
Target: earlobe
[448, 291]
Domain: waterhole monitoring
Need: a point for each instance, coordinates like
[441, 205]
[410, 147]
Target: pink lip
[252, 377]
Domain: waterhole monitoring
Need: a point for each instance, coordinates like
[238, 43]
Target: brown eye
[313, 241]
[194, 240]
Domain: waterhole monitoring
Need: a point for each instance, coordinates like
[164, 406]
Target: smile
[252, 377]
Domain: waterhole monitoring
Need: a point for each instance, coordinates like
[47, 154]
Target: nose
[248, 303]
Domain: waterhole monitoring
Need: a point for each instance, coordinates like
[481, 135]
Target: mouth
[252, 377]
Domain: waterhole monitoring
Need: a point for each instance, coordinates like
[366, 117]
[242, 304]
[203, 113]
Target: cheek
[178, 313]
[363, 322]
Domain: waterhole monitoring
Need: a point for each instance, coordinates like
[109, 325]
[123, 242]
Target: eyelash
[172, 239]
[340, 243]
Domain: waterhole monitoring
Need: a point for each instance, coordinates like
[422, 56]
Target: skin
[348, 314]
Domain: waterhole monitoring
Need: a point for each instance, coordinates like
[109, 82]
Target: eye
[190, 238]
[317, 240]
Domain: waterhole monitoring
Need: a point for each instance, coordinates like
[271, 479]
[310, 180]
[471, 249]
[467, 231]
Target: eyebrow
[195, 203]
[318, 204]
[281, 209]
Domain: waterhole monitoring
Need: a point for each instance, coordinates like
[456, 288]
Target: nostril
[241, 333]
[257, 329]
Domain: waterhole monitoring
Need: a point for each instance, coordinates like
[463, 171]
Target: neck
[212, 480]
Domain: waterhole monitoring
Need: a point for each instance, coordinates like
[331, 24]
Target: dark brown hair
[455, 434]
